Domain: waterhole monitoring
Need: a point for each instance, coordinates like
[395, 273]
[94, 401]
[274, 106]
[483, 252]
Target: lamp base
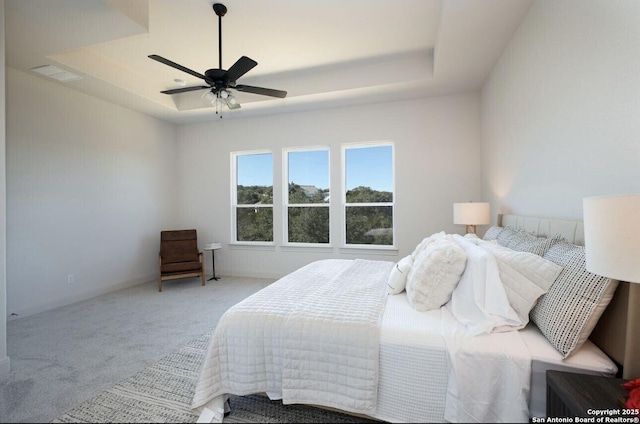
[471, 229]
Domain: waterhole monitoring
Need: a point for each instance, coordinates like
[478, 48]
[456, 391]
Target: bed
[330, 335]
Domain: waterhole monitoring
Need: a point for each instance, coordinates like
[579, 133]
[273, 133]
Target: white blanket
[302, 338]
[489, 375]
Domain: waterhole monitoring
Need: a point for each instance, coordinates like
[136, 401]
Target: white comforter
[302, 339]
[489, 375]
[293, 341]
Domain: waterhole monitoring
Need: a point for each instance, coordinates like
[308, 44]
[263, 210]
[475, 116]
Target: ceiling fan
[220, 81]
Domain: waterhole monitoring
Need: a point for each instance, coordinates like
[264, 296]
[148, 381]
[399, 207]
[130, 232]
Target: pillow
[492, 233]
[567, 314]
[480, 302]
[398, 276]
[424, 243]
[558, 252]
[435, 274]
[519, 236]
[532, 244]
[506, 236]
[525, 277]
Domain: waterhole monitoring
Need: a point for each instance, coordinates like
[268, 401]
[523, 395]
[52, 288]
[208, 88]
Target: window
[368, 194]
[307, 199]
[253, 196]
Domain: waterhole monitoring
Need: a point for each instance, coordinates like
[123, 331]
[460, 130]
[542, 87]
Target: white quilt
[327, 335]
[489, 375]
[301, 338]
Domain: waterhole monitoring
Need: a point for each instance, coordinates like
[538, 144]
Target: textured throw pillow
[525, 277]
[507, 236]
[519, 237]
[567, 314]
[561, 248]
[529, 243]
[492, 233]
[424, 243]
[398, 276]
[435, 274]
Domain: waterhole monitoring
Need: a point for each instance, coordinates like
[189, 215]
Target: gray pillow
[532, 244]
[507, 236]
[569, 311]
[492, 233]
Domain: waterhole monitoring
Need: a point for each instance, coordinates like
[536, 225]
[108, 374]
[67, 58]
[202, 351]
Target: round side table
[213, 247]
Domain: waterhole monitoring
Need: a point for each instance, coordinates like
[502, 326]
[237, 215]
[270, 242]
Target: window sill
[370, 250]
[314, 248]
[269, 247]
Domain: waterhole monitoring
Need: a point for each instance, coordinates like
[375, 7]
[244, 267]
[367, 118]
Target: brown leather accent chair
[179, 256]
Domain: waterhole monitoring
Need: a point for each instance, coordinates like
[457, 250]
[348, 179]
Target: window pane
[254, 179]
[254, 224]
[307, 194]
[369, 174]
[370, 225]
[309, 225]
[368, 195]
[308, 176]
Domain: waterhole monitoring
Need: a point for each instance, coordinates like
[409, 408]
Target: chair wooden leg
[159, 271]
[202, 274]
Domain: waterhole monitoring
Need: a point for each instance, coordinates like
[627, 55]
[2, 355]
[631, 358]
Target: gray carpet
[64, 357]
[128, 356]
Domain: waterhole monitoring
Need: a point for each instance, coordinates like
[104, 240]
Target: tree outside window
[307, 199]
[368, 194]
[253, 197]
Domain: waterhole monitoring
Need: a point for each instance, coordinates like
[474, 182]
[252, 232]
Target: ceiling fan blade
[261, 90]
[175, 65]
[185, 89]
[241, 67]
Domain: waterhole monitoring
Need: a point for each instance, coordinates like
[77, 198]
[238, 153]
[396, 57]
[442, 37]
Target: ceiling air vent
[56, 73]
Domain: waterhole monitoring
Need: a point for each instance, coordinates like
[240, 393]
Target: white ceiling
[324, 53]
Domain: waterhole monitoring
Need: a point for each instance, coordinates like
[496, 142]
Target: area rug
[162, 393]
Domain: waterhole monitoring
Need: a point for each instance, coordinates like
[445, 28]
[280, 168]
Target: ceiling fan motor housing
[215, 77]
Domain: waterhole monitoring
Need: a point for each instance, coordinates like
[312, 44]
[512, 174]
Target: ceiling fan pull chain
[218, 105]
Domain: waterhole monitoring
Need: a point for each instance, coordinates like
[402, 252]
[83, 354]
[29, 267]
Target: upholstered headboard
[618, 330]
[573, 231]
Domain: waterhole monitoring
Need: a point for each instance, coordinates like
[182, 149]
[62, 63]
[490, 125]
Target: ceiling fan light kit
[220, 81]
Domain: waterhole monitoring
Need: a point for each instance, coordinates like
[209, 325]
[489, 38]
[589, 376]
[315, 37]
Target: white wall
[4, 359]
[561, 109]
[89, 187]
[437, 148]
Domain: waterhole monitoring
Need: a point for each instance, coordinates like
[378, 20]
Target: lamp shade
[611, 235]
[471, 213]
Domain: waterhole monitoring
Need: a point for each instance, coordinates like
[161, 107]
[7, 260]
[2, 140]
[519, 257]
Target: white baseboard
[77, 297]
[246, 274]
[4, 365]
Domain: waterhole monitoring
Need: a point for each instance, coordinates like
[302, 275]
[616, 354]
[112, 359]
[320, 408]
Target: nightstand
[571, 395]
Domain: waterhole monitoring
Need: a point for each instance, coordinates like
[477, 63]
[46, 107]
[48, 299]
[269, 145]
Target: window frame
[343, 195]
[234, 198]
[285, 196]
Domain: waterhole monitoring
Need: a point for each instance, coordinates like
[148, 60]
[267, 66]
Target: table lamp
[471, 214]
[611, 236]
